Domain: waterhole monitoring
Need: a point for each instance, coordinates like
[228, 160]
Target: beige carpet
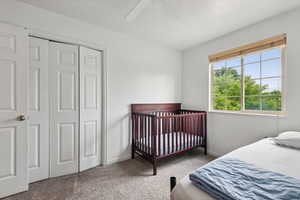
[127, 180]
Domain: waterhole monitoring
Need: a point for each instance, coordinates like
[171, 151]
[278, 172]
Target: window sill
[279, 115]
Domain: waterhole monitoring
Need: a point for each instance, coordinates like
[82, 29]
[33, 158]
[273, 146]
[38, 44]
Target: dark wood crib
[162, 130]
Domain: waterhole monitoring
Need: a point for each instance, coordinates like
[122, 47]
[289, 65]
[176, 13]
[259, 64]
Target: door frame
[98, 47]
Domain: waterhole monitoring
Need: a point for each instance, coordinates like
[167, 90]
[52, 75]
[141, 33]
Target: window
[248, 82]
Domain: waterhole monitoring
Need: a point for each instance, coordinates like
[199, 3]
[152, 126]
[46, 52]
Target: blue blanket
[232, 179]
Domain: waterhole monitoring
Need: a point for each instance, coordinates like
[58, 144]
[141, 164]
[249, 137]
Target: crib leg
[205, 150]
[154, 167]
[132, 152]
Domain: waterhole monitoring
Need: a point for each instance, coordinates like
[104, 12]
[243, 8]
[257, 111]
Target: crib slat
[180, 133]
[139, 132]
[195, 130]
[190, 127]
[164, 137]
[201, 129]
[136, 130]
[133, 131]
[159, 136]
[145, 134]
[173, 132]
[205, 130]
[174, 135]
[149, 134]
[184, 131]
[168, 131]
[142, 133]
[191, 132]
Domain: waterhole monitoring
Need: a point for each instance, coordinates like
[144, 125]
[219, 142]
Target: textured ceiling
[177, 23]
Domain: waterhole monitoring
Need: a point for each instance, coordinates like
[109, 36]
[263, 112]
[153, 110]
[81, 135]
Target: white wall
[138, 71]
[228, 131]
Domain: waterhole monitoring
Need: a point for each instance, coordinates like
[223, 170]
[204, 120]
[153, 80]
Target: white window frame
[243, 110]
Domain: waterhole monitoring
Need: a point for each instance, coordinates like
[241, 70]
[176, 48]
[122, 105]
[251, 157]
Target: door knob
[21, 118]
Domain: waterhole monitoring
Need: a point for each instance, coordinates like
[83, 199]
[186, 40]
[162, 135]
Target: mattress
[184, 140]
[263, 154]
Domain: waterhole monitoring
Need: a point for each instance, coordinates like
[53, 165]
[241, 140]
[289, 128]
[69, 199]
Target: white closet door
[63, 67]
[13, 110]
[90, 107]
[38, 125]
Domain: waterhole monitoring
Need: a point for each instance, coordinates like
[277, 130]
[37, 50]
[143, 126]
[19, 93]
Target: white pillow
[288, 139]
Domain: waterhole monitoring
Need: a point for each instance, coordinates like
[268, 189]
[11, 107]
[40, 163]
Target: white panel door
[38, 123]
[64, 114]
[90, 107]
[13, 110]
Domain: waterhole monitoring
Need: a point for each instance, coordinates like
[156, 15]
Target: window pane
[252, 87]
[227, 82]
[252, 70]
[271, 68]
[271, 86]
[227, 103]
[219, 65]
[252, 58]
[233, 62]
[271, 103]
[235, 71]
[219, 72]
[272, 53]
[252, 102]
[233, 103]
[219, 103]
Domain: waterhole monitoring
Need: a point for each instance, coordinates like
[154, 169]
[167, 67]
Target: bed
[163, 130]
[263, 154]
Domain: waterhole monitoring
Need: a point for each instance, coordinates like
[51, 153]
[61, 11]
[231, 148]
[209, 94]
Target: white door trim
[99, 47]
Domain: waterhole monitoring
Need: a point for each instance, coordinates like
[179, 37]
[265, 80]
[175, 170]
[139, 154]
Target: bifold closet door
[13, 110]
[38, 123]
[64, 108]
[90, 107]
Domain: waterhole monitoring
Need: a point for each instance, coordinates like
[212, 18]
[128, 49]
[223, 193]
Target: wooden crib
[162, 130]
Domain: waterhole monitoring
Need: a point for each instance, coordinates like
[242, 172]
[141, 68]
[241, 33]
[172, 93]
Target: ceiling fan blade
[137, 10]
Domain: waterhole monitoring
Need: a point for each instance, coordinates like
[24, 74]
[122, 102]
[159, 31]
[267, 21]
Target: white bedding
[264, 154]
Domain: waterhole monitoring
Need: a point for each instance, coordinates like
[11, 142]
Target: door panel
[66, 87]
[13, 103]
[66, 136]
[64, 114]
[90, 107]
[34, 146]
[7, 90]
[8, 147]
[38, 130]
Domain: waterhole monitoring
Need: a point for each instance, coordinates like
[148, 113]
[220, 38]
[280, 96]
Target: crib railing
[179, 133]
[143, 133]
[159, 134]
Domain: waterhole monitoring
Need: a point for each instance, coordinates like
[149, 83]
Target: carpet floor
[127, 180]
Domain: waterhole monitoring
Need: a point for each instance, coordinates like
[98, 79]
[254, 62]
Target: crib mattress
[169, 144]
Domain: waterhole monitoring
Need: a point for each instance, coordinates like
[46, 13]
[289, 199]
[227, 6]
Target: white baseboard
[214, 154]
[118, 159]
